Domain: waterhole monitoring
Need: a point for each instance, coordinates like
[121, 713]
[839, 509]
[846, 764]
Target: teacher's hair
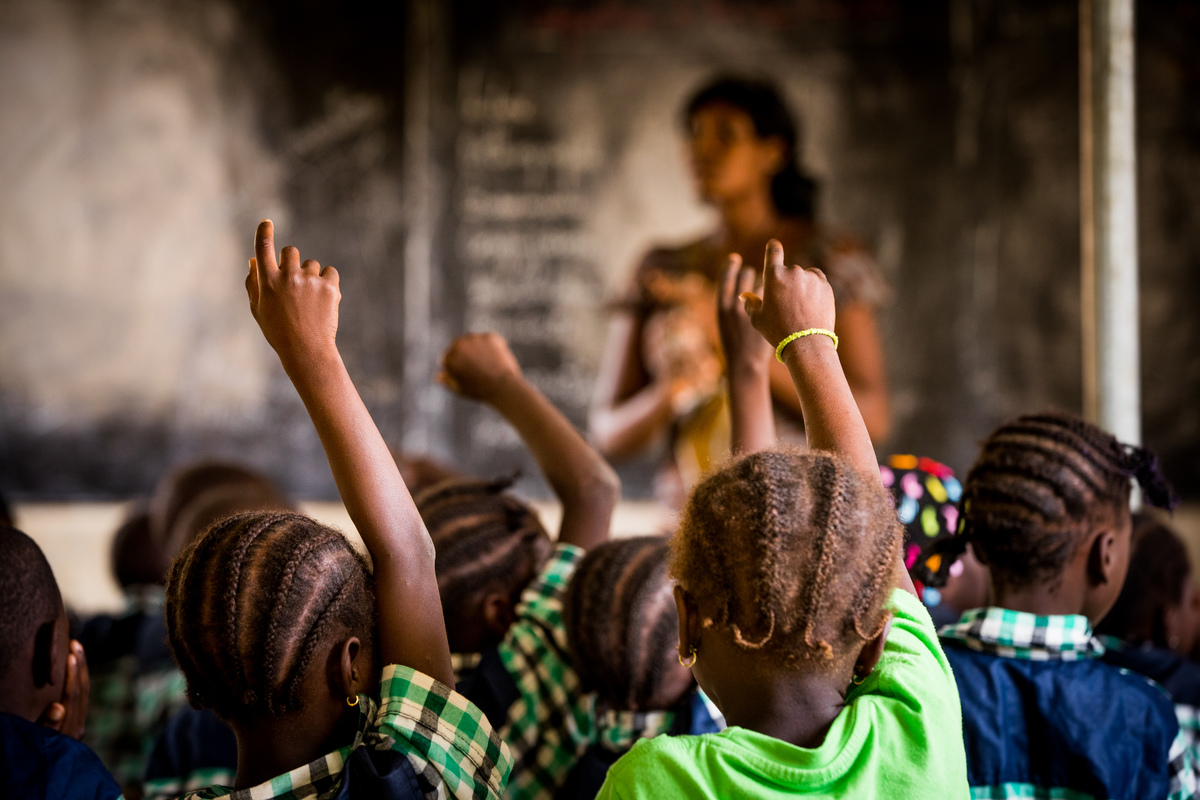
[792, 190]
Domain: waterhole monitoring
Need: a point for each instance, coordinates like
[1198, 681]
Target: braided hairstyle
[251, 602]
[1158, 571]
[1041, 483]
[622, 628]
[484, 538]
[795, 551]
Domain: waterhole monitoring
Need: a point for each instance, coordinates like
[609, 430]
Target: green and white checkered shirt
[451, 746]
[1065, 637]
[551, 723]
[619, 731]
[1016, 634]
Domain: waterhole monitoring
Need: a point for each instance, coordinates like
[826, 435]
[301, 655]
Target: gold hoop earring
[692, 654]
[857, 681]
[352, 705]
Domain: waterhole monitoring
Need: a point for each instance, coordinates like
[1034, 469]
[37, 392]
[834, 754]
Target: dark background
[531, 150]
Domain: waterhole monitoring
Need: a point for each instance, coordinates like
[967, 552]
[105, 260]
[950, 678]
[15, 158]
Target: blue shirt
[1043, 716]
[38, 763]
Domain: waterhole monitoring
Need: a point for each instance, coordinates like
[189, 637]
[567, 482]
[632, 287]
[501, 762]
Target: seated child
[796, 613]
[1046, 509]
[622, 631]
[43, 685]
[1152, 627]
[136, 686]
[333, 677]
[502, 582]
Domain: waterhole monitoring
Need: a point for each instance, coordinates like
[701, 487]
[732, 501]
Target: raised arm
[296, 306]
[481, 367]
[796, 299]
[748, 358]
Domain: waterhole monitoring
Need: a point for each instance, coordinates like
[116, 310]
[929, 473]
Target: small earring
[857, 681]
[692, 654]
[352, 705]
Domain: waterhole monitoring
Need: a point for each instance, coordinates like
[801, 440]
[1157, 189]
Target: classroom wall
[504, 165]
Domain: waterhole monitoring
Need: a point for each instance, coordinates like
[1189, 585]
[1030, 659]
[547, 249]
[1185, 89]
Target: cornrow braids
[622, 628]
[1158, 572]
[1040, 484]
[484, 537]
[794, 551]
[250, 602]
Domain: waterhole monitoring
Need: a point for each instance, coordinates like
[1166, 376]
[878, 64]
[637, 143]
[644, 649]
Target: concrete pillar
[1108, 177]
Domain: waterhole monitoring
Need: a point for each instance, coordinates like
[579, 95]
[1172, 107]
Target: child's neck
[1044, 600]
[785, 705]
[274, 747]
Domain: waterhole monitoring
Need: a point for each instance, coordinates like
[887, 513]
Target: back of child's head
[192, 497]
[29, 598]
[251, 604]
[622, 628]
[793, 552]
[1041, 485]
[1159, 569]
[926, 495]
[137, 558]
[486, 540]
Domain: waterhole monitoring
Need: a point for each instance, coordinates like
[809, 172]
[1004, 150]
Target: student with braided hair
[1046, 509]
[796, 614]
[335, 678]
[622, 629]
[503, 582]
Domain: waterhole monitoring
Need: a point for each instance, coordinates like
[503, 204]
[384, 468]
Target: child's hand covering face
[479, 366]
[294, 303]
[793, 299]
[69, 714]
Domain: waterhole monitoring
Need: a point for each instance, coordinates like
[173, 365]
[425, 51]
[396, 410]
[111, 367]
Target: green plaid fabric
[1016, 634]
[128, 706]
[619, 731]
[1183, 768]
[125, 712]
[551, 723]
[448, 741]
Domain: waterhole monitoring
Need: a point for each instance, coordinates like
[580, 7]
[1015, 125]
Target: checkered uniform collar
[618, 731]
[317, 780]
[1016, 634]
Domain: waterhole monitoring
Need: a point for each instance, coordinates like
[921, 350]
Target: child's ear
[49, 658]
[352, 678]
[872, 651]
[1102, 558]
[690, 623]
[498, 612]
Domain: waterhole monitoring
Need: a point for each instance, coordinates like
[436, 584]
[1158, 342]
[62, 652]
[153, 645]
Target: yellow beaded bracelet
[801, 335]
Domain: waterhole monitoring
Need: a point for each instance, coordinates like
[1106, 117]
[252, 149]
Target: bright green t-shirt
[899, 736]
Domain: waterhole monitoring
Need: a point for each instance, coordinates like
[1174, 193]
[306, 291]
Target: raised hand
[69, 714]
[793, 299]
[745, 349]
[295, 303]
[479, 366]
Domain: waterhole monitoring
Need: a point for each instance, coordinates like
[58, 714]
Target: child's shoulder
[37, 759]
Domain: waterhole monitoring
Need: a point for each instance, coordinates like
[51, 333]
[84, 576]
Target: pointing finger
[264, 248]
[773, 260]
[733, 263]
